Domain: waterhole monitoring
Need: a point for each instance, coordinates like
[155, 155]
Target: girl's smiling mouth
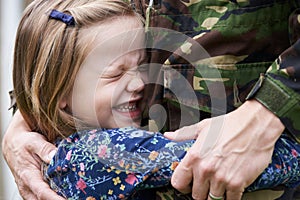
[130, 109]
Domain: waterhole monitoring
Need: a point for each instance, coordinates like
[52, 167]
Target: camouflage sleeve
[279, 88]
[242, 38]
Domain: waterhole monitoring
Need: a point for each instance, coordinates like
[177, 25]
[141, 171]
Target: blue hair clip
[67, 19]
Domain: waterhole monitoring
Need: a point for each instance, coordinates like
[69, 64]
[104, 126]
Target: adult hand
[24, 152]
[221, 162]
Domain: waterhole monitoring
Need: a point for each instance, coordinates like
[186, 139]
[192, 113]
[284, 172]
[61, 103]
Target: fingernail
[51, 154]
[167, 134]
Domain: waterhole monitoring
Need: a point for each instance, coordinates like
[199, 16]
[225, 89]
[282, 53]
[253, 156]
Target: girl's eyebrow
[116, 64]
[112, 68]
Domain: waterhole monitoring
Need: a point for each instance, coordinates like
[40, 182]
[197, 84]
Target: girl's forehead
[112, 29]
[113, 38]
[108, 41]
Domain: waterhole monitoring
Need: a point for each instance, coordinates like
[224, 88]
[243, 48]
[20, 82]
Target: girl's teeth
[127, 108]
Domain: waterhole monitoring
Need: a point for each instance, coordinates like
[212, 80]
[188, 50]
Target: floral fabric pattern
[129, 163]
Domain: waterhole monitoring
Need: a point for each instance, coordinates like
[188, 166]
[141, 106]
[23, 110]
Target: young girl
[77, 68]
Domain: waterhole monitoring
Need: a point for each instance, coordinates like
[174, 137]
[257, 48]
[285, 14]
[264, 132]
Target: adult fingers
[42, 148]
[45, 193]
[203, 173]
[185, 133]
[182, 178]
[200, 187]
[28, 195]
[217, 188]
[25, 192]
[41, 189]
[234, 195]
[41, 194]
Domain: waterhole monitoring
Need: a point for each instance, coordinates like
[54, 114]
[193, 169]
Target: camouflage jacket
[220, 53]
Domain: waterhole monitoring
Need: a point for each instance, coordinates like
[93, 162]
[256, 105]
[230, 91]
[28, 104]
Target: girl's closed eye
[112, 74]
[117, 75]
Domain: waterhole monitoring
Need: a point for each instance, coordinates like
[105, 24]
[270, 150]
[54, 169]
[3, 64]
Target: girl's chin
[123, 119]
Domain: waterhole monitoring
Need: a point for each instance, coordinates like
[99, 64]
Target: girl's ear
[63, 103]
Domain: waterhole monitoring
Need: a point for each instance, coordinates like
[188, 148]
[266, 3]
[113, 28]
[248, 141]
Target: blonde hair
[47, 58]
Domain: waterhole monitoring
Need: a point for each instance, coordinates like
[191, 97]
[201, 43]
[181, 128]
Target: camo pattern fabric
[240, 41]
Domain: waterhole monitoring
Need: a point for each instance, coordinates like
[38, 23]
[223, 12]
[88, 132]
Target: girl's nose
[135, 84]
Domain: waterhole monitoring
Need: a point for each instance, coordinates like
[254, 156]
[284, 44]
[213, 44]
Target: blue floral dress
[126, 163]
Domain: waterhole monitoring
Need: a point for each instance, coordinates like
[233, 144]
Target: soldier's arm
[279, 88]
[24, 151]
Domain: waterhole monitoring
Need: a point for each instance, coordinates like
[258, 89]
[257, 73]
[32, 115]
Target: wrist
[270, 125]
[280, 100]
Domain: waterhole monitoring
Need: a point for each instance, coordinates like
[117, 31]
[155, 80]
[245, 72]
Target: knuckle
[221, 178]
[39, 195]
[23, 174]
[30, 146]
[183, 188]
[194, 156]
[197, 196]
[176, 184]
[23, 191]
[44, 149]
[207, 168]
[236, 184]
